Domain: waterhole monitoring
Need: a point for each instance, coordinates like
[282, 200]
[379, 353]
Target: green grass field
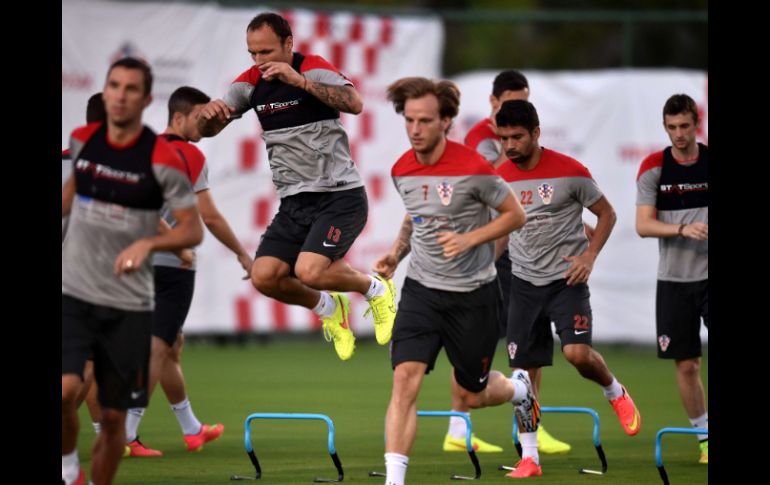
[226, 383]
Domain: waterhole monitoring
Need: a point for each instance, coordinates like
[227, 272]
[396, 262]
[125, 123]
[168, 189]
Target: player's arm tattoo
[403, 244]
[212, 127]
[342, 98]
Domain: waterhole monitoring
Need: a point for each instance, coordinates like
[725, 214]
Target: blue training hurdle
[658, 446]
[329, 441]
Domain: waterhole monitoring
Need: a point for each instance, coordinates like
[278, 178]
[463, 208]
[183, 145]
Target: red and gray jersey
[198, 173]
[454, 194]
[119, 191]
[66, 170]
[484, 140]
[306, 144]
[680, 193]
[553, 194]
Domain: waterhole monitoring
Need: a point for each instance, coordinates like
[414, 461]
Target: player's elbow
[641, 228]
[356, 106]
[519, 218]
[194, 234]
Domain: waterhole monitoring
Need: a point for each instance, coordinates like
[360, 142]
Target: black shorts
[679, 308]
[325, 223]
[464, 323]
[533, 308]
[120, 341]
[503, 266]
[174, 289]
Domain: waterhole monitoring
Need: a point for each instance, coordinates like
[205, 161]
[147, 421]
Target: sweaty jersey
[553, 194]
[454, 194]
[307, 146]
[119, 191]
[484, 140]
[680, 193]
[197, 171]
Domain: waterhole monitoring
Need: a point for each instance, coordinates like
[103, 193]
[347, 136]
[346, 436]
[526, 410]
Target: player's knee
[688, 367]
[266, 282]
[405, 383]
[112, 419]
[68, 399]
[311, 276]
[70, 390]
[578, 355]
[471, 399]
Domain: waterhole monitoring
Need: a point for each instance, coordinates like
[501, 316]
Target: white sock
[97, 427]
[701, 422]
[395, 467]
[519, 391]
[187, 420]
[457, 426]
[70, 467]
[326, 305]
[133, 418]
[377, 288]
[614, 390]
[529, 446]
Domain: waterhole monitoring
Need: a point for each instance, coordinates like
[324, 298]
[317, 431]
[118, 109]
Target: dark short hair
[279, 24]
[184, 99]
[447, 93]
[139, 65]
[95, 109]
[680, 104]
[510, 80]
[518, 113]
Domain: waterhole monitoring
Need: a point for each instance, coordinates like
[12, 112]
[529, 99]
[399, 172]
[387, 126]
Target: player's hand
[696, 230]
[282, 72]
[187, 256]
[131, 258]
[246, 263]
[580, 269]
[453, 243]
[216, 109]
[386, 266]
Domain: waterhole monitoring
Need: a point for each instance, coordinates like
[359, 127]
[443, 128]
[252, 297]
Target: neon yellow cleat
[479, 446]
[549, 445]
[704, 452]
[384, 310]
[337, 328]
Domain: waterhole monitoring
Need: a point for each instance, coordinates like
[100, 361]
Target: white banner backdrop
[205, 47]
[609, 120]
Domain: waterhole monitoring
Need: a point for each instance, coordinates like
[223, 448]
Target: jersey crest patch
[445, 190]
[512, 350]
[663, 341]
[545, 192]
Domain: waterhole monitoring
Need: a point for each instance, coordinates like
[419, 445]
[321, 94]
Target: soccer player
[552, 259]
[122, 173]
[298, 99]
[450, 294]
[672, 204]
